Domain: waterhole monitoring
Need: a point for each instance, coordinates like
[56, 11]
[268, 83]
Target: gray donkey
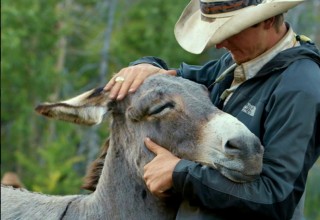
[172, 111]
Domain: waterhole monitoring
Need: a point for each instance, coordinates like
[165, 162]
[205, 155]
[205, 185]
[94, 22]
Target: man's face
[247, 44]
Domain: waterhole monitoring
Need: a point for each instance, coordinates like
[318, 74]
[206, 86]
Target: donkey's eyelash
[159, 108]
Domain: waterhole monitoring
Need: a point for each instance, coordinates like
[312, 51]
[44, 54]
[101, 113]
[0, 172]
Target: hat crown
[197, 29]
[209, 7]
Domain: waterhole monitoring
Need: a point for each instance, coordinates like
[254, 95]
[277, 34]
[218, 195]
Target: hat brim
[195, 33]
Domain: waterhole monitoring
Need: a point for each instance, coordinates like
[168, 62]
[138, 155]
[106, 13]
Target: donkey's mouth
[236, 175]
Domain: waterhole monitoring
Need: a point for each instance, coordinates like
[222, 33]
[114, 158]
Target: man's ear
[269, 23]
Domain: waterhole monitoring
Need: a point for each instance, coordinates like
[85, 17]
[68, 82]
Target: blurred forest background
[55, 49]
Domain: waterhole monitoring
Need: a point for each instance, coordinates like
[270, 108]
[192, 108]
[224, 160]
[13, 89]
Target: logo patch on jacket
[249, 109]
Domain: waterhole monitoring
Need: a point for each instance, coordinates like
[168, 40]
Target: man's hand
[131, 78]
[158, 172]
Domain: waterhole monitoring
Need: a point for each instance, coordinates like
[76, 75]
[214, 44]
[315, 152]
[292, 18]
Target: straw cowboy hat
[204, 23]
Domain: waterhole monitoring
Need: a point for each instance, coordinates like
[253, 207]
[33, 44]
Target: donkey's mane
[93, 173]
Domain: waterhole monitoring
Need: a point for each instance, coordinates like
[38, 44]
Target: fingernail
[119, 97]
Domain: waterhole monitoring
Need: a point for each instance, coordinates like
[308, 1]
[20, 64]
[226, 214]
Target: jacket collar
[307, 50]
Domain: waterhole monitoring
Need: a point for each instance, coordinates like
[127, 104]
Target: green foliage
[147, 29]
[35, 68]
[27, 65]
[52, 50]
[313, 193]
[53, 172]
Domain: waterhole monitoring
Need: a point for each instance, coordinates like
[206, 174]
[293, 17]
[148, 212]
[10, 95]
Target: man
[269, 80]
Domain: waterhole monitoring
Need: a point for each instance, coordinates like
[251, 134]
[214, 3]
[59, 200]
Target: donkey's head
[177, 114]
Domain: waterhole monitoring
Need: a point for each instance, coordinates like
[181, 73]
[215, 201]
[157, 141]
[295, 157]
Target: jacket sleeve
[205, 74]
[292, 145]
[155, 61]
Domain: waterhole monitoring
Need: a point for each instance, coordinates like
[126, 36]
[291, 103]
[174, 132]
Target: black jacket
[281, 105]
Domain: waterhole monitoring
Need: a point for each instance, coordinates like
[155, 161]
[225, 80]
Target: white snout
[229, 145]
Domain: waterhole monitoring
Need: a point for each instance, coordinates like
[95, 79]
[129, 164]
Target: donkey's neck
[121, 194]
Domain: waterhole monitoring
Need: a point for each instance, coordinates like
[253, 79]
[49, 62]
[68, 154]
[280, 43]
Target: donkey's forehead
[163, 92]
[173, 85]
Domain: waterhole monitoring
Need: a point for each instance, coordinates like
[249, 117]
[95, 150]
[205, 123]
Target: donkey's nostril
[234, 146]
[242, 146]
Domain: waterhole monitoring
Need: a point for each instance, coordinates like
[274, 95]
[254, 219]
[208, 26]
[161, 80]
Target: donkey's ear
[89, 108]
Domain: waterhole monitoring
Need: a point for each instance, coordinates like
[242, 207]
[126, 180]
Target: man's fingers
[128, 79]
[153, 147]
[172, 72]
[110, 84]
[123, 90]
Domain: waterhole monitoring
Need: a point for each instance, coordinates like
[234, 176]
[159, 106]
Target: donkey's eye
[160, 108]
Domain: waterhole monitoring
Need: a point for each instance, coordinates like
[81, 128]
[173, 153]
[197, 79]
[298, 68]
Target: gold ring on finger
[119, 79]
